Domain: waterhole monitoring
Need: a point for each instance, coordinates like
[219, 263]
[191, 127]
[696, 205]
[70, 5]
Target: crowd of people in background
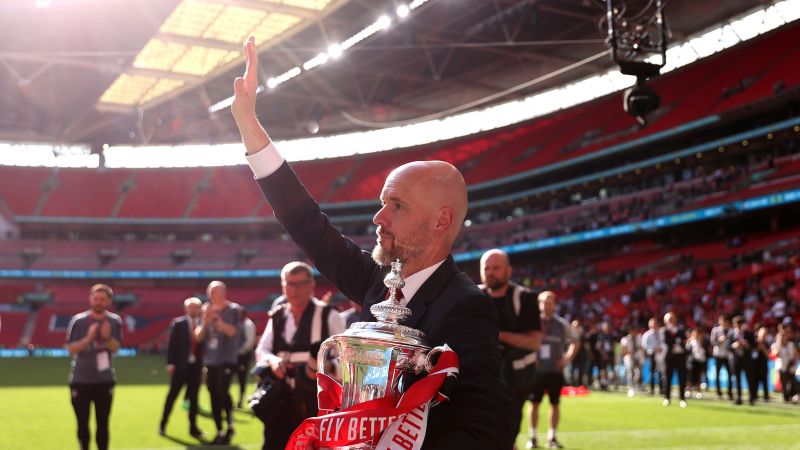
[623, 201]
[718, 332]
[671, 352]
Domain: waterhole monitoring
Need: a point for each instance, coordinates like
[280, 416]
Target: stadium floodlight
[403, 11]
[335, 51]
[384, 22]
[637, 35]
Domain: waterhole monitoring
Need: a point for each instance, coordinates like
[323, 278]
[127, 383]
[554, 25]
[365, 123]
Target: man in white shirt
[423, 206]
[721, 340]
[631, 348]
[651, 341]
[293, 329]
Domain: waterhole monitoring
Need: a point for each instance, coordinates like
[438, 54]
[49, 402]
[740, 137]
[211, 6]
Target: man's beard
[98, 309]
[495, 283]
[405, 253]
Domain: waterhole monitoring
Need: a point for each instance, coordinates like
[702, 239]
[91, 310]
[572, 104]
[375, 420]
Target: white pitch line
[199, 446]
[649, 432]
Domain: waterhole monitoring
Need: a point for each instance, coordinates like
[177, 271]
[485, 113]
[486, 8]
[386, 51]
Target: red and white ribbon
[387, 423]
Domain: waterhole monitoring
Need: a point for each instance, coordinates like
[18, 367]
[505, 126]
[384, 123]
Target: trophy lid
[388, 314]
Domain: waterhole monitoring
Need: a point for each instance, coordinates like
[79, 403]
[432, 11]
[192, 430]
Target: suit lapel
[430, 291]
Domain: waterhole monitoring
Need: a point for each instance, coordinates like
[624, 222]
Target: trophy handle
[428, 361]
[323, 351]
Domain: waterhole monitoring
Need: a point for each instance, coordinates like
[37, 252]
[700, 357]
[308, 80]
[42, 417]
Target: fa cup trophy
[374, 357]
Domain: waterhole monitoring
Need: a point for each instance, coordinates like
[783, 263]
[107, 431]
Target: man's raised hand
[243, 108]
[244, 88]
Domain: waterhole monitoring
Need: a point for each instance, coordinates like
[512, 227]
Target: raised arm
[338, 258]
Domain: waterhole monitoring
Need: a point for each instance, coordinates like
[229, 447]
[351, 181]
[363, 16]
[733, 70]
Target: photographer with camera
[285, 365]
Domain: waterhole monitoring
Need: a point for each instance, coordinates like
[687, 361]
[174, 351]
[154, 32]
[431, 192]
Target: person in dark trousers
[721, 351]
[184, 364]
[93, 337]
[219, 332]
[592, 335]
[555, 353]
[743, 343]
[248, 340]
[520, 328]
[285, 349]
[675, 358]
[580, 369]
[423, 206]
[761, 362]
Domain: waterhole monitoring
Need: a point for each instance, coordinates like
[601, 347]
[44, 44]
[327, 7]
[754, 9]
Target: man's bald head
[423, 207]
[217, 291]
[437, 184]
[497, 255]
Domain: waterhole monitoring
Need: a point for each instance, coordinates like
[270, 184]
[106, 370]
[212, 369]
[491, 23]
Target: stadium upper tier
[743, 75]
[717, 186]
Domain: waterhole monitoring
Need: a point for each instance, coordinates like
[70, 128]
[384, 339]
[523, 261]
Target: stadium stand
[13, 326]
[580, 130]
[103, 187]
[161, 192]
[599, 287]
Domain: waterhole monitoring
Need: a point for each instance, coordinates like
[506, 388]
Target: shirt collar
[414, 282]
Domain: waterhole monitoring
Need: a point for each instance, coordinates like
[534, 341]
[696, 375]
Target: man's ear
[444, 221]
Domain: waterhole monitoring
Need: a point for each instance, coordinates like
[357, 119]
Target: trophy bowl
[375, 356]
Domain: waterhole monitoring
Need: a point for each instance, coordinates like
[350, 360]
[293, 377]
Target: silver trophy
[374, 356]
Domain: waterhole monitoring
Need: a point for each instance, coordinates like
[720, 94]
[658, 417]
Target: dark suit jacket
[180, 343]
[449, 308]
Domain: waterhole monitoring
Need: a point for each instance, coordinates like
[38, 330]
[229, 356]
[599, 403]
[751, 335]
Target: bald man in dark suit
[423, 207]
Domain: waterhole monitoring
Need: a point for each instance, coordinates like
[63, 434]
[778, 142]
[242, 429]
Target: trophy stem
[391, 310]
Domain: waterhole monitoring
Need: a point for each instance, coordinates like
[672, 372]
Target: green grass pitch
[35, 413]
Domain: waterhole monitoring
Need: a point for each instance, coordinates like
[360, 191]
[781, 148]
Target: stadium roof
[139, 72]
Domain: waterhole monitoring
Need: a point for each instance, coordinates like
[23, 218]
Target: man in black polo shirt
[520, 335]
[92, 337]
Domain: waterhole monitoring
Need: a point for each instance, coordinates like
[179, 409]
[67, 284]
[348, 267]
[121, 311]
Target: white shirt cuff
[265, 161]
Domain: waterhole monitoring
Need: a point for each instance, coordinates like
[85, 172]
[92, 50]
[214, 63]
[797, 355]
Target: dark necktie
[398, 295]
